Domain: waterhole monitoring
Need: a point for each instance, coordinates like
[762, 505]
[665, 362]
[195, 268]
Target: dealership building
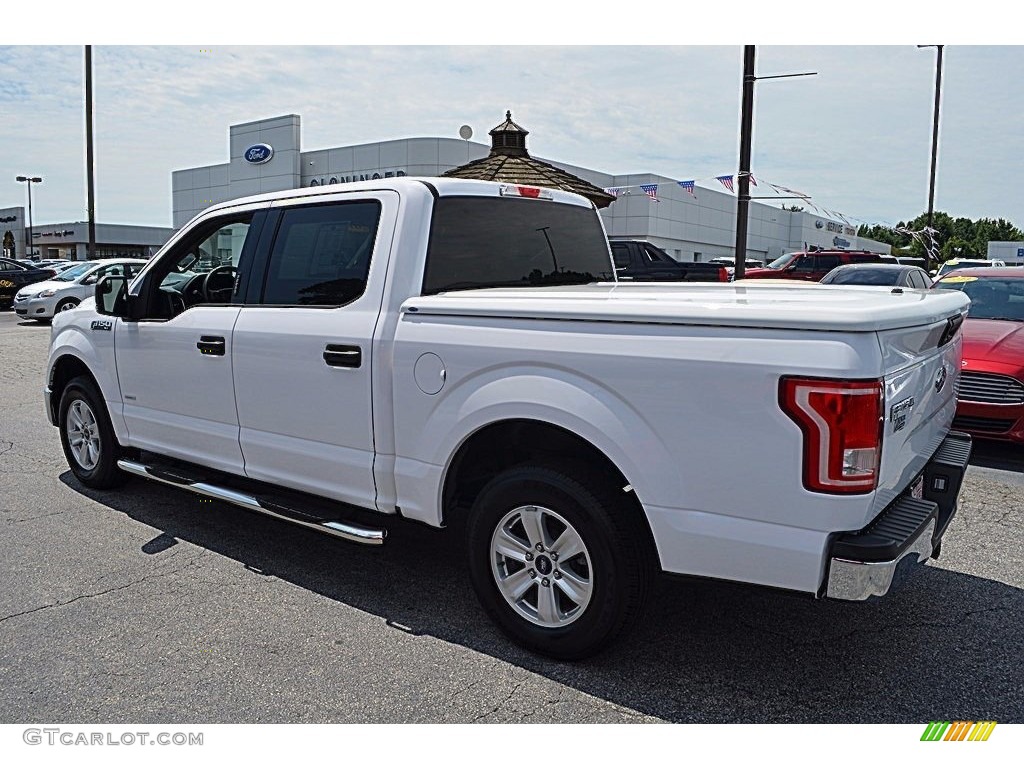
[1010, 252]
[70, 240]
[267, 156]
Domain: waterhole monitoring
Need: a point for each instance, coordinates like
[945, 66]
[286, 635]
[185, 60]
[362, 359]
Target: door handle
[211, 345]
[343, 356]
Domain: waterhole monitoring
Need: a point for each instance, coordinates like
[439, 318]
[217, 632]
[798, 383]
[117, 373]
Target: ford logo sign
[258, 153]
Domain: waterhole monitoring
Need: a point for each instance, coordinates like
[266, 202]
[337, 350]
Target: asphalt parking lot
[151, 605]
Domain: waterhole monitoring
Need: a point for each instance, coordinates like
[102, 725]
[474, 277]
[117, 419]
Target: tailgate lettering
[899, 412]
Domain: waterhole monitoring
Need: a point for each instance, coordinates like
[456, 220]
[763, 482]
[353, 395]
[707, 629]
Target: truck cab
[641, 260]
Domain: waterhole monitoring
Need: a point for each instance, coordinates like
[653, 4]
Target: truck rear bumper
[863, 563]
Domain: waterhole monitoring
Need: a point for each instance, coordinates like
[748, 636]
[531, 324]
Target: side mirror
[112, 296]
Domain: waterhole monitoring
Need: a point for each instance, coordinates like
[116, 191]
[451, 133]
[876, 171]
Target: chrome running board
[177, 478]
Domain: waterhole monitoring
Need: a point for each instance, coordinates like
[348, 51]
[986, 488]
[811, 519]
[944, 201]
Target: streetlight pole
[935, 150]
[30, 180]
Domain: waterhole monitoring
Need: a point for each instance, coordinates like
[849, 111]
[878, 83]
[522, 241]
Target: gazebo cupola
[509, 138]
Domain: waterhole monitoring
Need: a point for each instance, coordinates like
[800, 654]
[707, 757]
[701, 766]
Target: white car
[41, 301]
[953, 264]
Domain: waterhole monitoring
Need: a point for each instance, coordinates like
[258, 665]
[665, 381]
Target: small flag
[752, 179]
[688, 186]
[651, 190]
[726, 182]
[613, 191]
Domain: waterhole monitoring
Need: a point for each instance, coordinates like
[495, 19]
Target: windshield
[782, 261]
[991, 298]
[73, 273]
[482, 242]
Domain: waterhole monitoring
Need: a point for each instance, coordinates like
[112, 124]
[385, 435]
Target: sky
[856, 136]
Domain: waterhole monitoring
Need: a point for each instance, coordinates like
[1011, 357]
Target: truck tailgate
[922, 371]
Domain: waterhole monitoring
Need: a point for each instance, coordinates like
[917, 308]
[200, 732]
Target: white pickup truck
[458, 353]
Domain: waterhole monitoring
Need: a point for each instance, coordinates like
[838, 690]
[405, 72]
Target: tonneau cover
[810, 307]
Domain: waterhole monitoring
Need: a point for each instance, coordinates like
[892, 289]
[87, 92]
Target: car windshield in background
[991, 298]
[782, 261]
[863, 276]
[73, 273]
[481, 242]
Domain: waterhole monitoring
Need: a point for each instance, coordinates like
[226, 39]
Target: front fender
[74, 335]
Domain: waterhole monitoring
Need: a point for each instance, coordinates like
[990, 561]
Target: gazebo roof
[509, 162]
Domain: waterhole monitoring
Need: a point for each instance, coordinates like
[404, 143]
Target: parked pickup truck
[812, 265]
[643, 261]
[458, 353]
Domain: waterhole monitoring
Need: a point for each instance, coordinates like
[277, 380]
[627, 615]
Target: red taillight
[842, 426]
[723, 275]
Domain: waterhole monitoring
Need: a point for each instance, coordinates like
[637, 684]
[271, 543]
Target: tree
[953, 238]
[958, 248]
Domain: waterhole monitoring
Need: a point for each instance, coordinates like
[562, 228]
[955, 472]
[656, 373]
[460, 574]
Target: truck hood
[760, 272]
[811, 307]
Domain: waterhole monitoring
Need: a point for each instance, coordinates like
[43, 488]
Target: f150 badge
[898, 413]
[101, 325]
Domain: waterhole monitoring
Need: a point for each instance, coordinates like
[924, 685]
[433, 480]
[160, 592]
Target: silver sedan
[41, 301]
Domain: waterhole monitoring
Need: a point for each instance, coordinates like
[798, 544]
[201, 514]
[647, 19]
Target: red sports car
[990, 402]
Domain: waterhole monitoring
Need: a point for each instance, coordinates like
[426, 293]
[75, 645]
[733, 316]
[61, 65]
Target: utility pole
[746, 141]
[89, 165]
[935, 153]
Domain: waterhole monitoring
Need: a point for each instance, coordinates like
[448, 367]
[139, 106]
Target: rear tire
[566, 604]
[87, 436]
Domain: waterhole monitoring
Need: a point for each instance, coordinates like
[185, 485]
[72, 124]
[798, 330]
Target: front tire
[64, 305]
[87, 436]
[560, 561]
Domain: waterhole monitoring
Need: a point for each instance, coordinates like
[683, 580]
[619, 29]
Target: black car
[895, 275]
[14, 276]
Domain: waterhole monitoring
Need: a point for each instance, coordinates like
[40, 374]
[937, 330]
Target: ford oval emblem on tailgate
[259, 153]
[940, 379]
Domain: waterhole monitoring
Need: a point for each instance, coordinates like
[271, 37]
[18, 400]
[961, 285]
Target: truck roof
[441, 187]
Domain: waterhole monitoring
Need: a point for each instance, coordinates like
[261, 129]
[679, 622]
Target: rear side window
[483, 242]
[827, 263]
[321, 254]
